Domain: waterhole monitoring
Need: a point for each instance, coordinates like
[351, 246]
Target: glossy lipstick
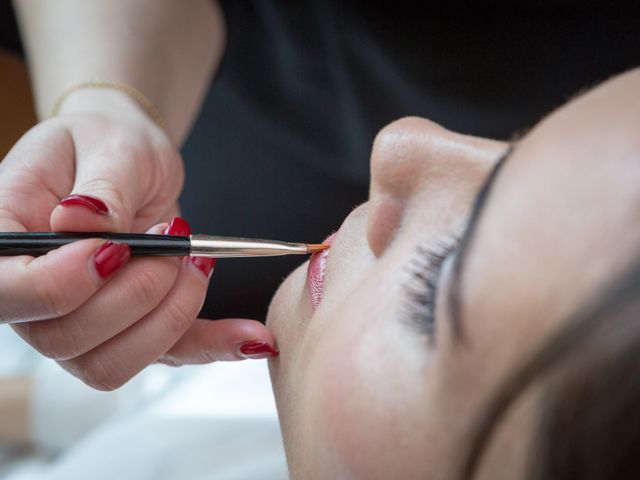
[315, 273]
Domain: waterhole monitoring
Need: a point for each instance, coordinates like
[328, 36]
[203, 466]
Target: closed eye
[422, 285]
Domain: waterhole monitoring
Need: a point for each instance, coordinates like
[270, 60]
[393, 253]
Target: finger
[58, 282]
[117, 182]
[230, 339]
[33, 176]
[141, 286]
[113, 363]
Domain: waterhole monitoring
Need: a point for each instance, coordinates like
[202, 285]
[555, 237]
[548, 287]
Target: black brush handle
[39, 243]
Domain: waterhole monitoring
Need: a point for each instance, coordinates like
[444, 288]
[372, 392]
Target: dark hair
[589, 413]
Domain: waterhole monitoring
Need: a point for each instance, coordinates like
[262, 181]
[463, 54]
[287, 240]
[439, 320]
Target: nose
[417, 166]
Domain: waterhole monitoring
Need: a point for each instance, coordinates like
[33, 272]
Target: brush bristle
[316, 247]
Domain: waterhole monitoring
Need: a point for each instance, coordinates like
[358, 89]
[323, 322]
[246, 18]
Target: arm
[167, 49]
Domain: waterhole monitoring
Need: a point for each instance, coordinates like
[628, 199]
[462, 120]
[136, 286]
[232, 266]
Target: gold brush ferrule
[230, 247]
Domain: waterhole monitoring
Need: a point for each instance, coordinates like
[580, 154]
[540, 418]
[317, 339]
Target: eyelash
[422, 286]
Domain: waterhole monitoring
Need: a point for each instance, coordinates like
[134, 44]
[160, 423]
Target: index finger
[58, 282]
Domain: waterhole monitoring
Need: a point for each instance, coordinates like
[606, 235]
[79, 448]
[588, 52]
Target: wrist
[107, 100]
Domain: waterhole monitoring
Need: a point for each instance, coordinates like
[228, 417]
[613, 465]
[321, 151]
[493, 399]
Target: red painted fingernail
[178, 226]
[204, 264]
[255, 350]
[110, 257]
[94, 204]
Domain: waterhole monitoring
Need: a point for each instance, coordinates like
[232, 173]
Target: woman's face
[370, 383]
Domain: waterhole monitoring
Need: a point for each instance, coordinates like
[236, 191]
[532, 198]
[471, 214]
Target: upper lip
[320, 261]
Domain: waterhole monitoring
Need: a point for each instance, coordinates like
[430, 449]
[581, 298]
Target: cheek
[363, 395]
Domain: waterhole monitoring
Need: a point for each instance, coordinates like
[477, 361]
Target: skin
[361, 391]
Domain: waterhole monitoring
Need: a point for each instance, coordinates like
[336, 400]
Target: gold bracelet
[142, 100]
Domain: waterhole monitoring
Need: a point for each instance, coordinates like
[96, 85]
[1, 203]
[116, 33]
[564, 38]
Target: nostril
[385, 216]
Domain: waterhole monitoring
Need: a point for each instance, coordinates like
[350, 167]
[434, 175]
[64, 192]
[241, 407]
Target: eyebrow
[454, 299]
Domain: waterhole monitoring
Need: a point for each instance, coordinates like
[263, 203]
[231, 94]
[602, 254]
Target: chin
[289, 310]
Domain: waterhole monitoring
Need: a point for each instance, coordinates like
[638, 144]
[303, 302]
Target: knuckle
[147, 288]
[51, 296]
[51, 339]
[69, 335]
[31, 332]
[180, 315]
[101, 373]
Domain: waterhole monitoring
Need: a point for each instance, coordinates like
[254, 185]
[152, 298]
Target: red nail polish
[178, 226]
[204, 264]
[110, 257]
[94, 204]
[255, 350]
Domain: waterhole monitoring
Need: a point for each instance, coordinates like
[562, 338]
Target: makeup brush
[39, 243]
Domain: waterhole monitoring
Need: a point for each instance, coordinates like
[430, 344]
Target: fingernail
[255, 350]
[178, 226]
[204, 264]
[94, 204]
[110, 257]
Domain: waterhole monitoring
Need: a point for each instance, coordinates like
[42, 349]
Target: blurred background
[15, 91]
[203, 422]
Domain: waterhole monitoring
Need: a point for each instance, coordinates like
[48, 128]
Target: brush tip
[316, 247]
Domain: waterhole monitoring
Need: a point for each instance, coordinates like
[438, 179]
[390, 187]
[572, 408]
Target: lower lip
[315, 273]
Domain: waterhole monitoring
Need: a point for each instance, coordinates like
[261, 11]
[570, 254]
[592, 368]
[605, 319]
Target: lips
[315, 273]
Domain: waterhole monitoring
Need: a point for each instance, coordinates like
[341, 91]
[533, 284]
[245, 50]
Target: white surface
[207, 422]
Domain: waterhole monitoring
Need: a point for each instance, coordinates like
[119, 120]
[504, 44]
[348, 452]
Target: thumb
[106, 196]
